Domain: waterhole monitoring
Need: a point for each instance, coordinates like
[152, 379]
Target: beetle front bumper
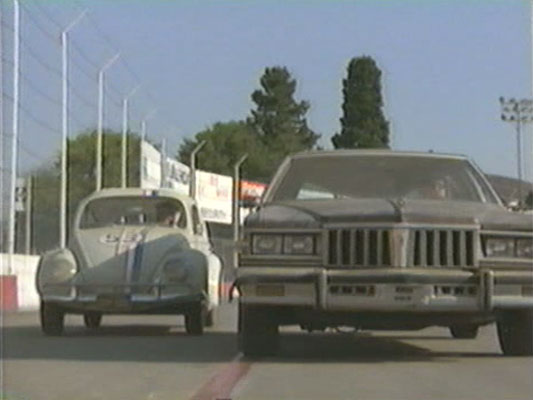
[123, 299]
[386, 289]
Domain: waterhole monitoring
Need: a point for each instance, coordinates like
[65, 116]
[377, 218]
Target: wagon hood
[124, 255]
[315, 213]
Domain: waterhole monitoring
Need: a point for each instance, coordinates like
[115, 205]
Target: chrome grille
[359, 247]
[442, 248]
[373, 247]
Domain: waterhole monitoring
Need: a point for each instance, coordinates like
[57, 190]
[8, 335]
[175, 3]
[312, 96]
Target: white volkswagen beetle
[132, 251]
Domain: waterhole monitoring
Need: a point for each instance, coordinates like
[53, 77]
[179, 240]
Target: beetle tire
[258, 332]
[515, 332]
[465, 331]
[210, 318]
[52, 319]
[195, 320]
[92, 320]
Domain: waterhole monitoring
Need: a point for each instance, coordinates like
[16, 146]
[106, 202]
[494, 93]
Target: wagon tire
[195, 320]
[258, 331]
[515, 332]
[464, 331]
[52, 319]
[92, 320]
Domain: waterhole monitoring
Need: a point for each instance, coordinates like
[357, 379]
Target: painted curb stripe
[221, 385]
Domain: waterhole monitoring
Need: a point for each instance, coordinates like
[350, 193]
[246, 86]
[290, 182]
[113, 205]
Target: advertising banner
[213, 193]
[150, 167]
[177, 176]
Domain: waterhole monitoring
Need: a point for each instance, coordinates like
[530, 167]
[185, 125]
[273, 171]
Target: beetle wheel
[194, 319]
[52, 319]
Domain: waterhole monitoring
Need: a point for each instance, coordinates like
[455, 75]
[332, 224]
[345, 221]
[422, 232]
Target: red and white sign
[213, 193]
[252, 190]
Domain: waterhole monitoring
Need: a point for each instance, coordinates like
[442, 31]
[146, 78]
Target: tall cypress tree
[279, 119]
[363, 124]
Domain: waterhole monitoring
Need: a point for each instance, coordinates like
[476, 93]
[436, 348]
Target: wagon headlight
[267, 244]
[290, 244]
[524, 248]
[500, 247]
[299, 244]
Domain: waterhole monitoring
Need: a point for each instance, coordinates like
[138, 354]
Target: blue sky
[445, 64]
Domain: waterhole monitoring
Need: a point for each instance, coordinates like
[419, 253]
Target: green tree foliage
[277, 127]
[226, 142]
[279, 119]
[363, 124]
[81, 182]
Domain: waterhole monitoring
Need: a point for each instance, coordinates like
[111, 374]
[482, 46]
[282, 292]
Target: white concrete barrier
[24, 268]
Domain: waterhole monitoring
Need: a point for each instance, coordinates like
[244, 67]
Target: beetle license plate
[114, 300]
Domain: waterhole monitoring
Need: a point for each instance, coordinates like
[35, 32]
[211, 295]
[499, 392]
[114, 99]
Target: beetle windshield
[373, 176]
[128, 210]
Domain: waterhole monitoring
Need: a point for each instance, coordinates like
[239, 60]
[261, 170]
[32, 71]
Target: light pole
[101, 119]
[125, 110]
[236, 215]
[192, 185]
[2, 134]
[143, 123]
[517, 112]
[15, 122]
[64, 132]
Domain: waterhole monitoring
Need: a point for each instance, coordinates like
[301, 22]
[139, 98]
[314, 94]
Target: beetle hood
[124, 255]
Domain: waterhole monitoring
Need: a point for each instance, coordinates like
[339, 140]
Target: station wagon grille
[363, 247]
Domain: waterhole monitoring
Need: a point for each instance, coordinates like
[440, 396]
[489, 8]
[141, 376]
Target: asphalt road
[151, 358]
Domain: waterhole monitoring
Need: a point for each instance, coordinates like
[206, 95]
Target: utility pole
[2, 135]
[517, 112]
[236, 215]
[29, 214]
[15, 122]
[124, 152]
[64, 132]
[192, 185]
[531, 127]
[163, 163]
[101, 119]
[143, 124]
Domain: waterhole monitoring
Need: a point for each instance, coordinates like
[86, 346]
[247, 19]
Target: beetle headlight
[267, 244]
[500, 247]
[299, 244]
[524, 248]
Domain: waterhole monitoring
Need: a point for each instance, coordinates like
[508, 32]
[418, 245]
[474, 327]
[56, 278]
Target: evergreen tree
[363, 124]
[279, 119]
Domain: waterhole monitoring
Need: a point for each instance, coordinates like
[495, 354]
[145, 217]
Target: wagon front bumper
[386, 289]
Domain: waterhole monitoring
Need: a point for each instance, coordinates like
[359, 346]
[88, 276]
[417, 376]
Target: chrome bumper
[386, 289]
[117, 295]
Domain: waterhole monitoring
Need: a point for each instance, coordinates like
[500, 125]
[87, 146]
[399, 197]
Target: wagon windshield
[128, 210]
[390, 177]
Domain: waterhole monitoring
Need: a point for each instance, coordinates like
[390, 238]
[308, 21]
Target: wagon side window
[197, 224]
